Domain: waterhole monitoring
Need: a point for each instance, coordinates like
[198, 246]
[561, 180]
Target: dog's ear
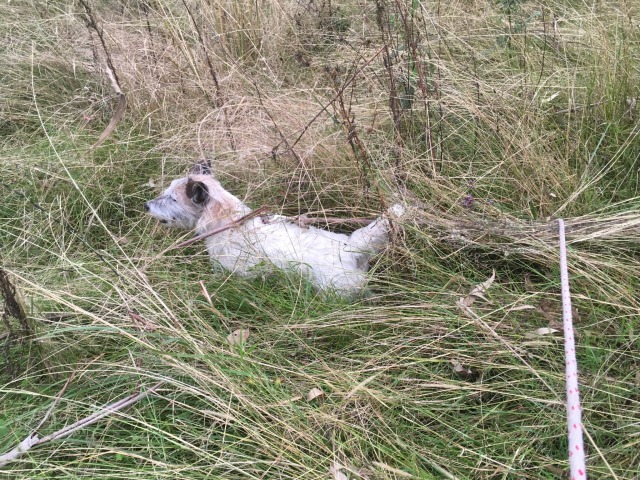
[203, 167]
[197, 192]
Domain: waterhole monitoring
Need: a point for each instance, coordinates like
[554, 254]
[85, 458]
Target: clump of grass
[488, 119]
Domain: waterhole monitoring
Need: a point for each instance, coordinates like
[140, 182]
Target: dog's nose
[146, 207]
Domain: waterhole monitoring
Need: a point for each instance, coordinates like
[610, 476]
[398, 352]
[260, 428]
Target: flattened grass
[531, 116]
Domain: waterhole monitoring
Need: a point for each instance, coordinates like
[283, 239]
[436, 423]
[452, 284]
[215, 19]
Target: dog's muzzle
[147, 208]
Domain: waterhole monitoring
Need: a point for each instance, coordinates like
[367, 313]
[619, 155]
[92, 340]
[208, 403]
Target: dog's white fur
[332, 261]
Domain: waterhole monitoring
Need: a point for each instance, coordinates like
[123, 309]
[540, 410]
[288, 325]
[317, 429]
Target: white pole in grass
[574, 414]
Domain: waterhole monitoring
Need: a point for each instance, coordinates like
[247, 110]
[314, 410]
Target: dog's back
[328, 259]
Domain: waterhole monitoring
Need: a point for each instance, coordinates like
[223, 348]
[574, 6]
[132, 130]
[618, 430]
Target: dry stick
[91, 22]
[355, 142]
[382, 19]
[235, 223]
[212, 71]
[301, 163]
[219, 101]
[438, 84]
[113, 76]
[33, 440]
[342, 89]
[55, 402]
[283, 139]
[304, 220]
[512, 234]
[411, 41]
[301, 220]
[145, 9]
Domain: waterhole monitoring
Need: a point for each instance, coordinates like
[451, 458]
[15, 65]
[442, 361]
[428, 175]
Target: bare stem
[33, 440]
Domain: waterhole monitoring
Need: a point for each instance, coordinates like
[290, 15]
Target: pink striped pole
[574, 414]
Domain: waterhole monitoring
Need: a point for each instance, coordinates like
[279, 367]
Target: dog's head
[193, 200]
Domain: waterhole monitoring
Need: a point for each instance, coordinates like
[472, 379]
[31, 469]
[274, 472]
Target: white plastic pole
[574, 414]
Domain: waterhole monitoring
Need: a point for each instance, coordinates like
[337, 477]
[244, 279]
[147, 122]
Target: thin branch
[219, 99]
[235, 223]
[113, 77]
[305, 220]
[33, 440]
[53, 404]
[111, 71]
[283, 139]
[342, 89]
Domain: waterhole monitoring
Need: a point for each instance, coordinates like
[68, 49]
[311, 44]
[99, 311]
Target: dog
[331, 261]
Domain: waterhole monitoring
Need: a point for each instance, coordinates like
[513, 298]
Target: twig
[302, 220]
[283, 139]
[222, 229]
[342, 89]
[113, 77]
[219, 99]
[412, 43]
[54, 403]
[33, 440]
[384, 25]
[212, 70]
[305, 220]
[357, 146]
[111, 71]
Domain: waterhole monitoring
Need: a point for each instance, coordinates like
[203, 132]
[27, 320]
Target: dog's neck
[221, 216]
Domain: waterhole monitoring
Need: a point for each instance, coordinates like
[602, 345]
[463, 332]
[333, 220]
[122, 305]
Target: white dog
[332, 261]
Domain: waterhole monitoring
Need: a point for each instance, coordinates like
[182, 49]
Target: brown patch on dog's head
[197, 192]
[214, 205]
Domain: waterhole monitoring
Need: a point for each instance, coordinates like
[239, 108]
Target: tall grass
[488, 119]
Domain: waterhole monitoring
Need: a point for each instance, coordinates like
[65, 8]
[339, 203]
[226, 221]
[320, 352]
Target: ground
[488, 119]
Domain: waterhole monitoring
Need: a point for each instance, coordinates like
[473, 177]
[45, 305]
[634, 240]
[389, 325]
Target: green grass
[532, 116]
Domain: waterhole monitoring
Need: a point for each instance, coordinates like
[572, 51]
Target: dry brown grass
[531, 115]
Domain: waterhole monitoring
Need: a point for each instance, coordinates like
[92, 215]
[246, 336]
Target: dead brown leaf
[115, 120]
[335, 472]
[141, 323]
[463, 371]
[540, 332]
[528, 284]
[238, 337]
[478, 292]
[315, 393]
